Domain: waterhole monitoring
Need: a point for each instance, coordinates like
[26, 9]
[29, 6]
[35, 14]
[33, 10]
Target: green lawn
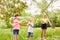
[52, 34]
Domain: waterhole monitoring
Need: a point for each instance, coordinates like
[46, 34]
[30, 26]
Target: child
[44, 22]
[30, 30]
[16, 26]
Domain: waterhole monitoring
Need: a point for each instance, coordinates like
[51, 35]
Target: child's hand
[25, 22]
[30, 25]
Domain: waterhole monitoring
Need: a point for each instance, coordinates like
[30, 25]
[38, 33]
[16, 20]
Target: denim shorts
[15, 32]
[30, 34]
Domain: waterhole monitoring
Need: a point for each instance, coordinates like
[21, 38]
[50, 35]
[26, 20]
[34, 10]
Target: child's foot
[44, 39]
[40, 39]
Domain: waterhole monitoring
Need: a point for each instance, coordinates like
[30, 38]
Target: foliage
[10, 7]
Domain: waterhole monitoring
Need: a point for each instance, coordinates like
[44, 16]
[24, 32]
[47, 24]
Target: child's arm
[31, 25]
[47, 21]
[23, 22]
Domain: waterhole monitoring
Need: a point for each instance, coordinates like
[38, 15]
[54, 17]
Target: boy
[30, 29]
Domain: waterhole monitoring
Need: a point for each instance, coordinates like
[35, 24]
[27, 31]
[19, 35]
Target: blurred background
[29, 8]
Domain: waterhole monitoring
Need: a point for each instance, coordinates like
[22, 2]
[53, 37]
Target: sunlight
[33, 9]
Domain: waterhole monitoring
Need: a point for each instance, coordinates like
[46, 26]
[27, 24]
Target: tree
[10, 7]
[44, 6]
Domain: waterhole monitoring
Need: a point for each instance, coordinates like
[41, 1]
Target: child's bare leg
[44, 33]
[15, 37]
[28, 38]
[31, 38]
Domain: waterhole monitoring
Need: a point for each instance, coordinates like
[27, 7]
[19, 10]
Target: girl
[44, 22]
[16, 26]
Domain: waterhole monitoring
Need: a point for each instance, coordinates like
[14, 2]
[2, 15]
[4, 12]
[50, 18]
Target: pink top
[16, 24]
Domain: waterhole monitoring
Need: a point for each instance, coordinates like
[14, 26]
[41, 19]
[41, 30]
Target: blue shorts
[15, 32]
[30, 34]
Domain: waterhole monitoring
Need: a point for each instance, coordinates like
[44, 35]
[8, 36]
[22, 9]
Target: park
[28, 10]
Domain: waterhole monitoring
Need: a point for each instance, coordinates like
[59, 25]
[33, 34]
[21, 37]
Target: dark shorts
[15, 32]
[44, 26]
[30, 34]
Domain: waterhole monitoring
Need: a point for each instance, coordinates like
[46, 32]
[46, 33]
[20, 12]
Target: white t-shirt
[30, 27]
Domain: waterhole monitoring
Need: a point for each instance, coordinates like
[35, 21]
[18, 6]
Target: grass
[52, 34]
